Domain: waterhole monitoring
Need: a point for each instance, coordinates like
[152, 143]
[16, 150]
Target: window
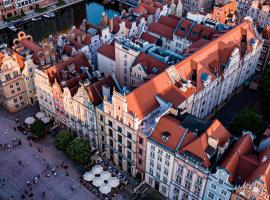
[151, 171]
[129, 145]
[15, 100]
[185, 196]
[7, 76]
[160, 151]
[180, 169]
[150, 180]
[110, 123]
[151, 162]
[111, 142]
[140, 151]
[164, 189]
[167, 162]
[139, 161]
[197, 190]
[166, 171]
[158, 167]
[129, 135]
[11, 86]
[125, 62]
[152, 154]
[189, 174]
[101, 118]
[159, 158]
[15, 73]
[158, 175]
[165, 179]
[223, 192]
[187, 185]
[141, 141]
[120, 149]
[167, 156]
[213, 186]
[152, 147]
[211, 195]
[178, 178]
[119, 129]
[199, 180]
[110, 132]
[129, 155]
[119, 138]
[220, 181]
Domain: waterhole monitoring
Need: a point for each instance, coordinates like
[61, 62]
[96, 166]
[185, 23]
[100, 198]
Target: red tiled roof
[172, 126]
[107, 51]
[219, 49]
[198, 147]
[168, 21]
[149, 63]
[161, 29]
[149, 38]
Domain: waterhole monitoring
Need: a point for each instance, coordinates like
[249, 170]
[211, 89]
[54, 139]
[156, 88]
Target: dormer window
[182, 29]
[165, 136]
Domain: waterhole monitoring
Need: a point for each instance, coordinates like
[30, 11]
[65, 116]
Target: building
[248, 170]
[176, 34]
[259, 13]
[68, 93]
[265, 55]
[16, 8]
[225, 14]
[106, 59]
[202, 5]
[176, 8]
[12, 86]
[204, 146]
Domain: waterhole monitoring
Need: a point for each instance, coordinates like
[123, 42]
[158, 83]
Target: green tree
[247, 120]
[38, 129]
[62, 139]
[264, 92]
[79, 150]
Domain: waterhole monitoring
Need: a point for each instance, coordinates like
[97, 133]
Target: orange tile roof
[198, 146]
[219, 49]
[172, 126]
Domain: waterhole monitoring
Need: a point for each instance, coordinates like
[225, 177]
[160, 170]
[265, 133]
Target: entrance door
[157, 185]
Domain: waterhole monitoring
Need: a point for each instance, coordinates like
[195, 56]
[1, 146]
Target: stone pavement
[33, 163]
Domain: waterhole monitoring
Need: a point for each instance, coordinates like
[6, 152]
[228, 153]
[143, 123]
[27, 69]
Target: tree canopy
[62, 139]
[38, 129]
[247, 120]
[79, 150]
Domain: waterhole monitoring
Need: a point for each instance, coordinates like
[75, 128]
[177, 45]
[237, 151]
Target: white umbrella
[97, 181]
[45, 120]
[88, 176]
[113, 182]
[105, 175]
[40, 115]
[105, 188]
[97, 169]
[29, 120]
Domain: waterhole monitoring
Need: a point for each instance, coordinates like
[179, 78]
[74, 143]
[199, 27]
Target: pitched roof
[172, 127]
[216, 51]
[149, 38]
[95, 90]
[107, 50]
[199, 146]
[161, 29]
[149, 63]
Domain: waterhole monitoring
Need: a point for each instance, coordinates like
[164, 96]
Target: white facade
[105, 64]
[159, 167]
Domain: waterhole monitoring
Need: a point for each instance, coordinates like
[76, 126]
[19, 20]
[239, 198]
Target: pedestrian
[23, 196]
[67, 174]
[20, 162]
[38, 176]
[43, 195]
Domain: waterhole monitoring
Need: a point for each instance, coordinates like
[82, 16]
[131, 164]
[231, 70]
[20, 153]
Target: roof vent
[165, 136]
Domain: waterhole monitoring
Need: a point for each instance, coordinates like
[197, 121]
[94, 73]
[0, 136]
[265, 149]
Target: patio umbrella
[97, 181]
[29, 120]
[45, 120]
[88, 176]
[97, 169]
[113, 182]
[105, 188]
[105, 175]
[40, 115]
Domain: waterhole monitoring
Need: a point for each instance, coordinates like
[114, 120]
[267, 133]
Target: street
[20, 165]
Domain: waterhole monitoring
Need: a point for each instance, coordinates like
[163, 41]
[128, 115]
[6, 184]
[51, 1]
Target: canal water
[62, 22]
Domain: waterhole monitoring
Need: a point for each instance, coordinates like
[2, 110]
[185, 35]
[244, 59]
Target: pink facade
[141, 154]
[58, 103]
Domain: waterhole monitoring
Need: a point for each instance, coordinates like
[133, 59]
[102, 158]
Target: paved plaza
[14, 174]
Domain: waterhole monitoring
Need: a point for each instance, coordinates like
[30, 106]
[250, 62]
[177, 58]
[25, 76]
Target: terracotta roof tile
[149, 38]
[161, 29]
